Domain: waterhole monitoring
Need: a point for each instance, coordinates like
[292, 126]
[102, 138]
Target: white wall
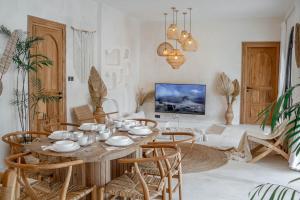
[13, 14]
[219, 50]
[120, 32]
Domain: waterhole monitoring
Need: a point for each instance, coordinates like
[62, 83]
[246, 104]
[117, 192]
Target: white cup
[83, 140]
[118, 123]
[101, 127]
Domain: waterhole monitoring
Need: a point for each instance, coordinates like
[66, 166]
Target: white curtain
[84, 50]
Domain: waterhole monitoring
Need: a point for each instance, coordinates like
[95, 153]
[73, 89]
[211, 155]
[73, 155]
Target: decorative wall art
[7, 56]
[113, 57]
[83, 52]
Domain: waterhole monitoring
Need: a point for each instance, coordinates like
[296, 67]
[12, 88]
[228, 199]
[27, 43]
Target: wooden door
[260, 68]
[53, 79]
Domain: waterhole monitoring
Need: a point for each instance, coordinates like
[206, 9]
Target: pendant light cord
[184, 13]
[173, 8]
[176, 25]
[190, 20]
[166, 30]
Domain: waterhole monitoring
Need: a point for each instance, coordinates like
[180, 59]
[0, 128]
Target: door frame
[31, 21]
[245, 45]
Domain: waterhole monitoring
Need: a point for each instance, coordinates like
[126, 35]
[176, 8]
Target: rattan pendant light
[190, 44]
[176, 57]
[173, 32]
[165, 48]
[184, 34]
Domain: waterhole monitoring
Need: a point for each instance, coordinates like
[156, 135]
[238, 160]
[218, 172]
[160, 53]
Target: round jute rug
[201, 158]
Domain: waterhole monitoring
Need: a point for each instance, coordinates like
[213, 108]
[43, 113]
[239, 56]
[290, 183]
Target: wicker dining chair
[50, 127]
[58, 190]
[8, 182]
[137, 185]
[147, 122]
[18, 140]
[171, 138]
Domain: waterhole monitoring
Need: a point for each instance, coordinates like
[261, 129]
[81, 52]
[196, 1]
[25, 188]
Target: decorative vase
[99, 115]
[229, 115]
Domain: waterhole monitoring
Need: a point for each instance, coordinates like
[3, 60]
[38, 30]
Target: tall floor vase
[229, 114]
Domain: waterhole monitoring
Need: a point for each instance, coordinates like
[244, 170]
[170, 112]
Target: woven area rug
[201, 158]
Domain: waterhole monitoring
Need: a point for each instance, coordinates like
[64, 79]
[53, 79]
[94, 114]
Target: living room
[240, 57]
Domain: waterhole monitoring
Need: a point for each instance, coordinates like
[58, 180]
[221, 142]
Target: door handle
[248, 89]
[60, 95]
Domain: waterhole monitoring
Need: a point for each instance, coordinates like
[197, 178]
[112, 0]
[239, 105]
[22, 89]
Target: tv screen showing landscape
[180, 98]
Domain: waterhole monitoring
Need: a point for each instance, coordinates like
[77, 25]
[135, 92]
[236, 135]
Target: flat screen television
[180, 98]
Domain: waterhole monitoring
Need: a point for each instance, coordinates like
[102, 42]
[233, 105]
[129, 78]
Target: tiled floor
[234, 180]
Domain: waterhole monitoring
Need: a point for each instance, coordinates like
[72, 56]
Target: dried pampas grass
[229, 89]
[97, 88]
[224, 85]
[142, 97]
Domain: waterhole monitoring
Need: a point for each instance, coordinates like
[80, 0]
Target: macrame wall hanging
[6, 57]
[83, 52]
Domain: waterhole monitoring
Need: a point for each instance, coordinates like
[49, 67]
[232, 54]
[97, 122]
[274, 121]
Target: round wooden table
[100, 159]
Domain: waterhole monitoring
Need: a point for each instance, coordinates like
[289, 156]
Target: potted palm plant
[26, 62]
[282, 109]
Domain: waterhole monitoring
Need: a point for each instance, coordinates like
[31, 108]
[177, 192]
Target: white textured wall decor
[112, 57]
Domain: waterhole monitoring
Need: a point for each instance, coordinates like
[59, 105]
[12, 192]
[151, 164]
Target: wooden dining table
[100, 159]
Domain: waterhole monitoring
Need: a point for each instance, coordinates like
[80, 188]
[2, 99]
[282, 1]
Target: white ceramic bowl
[101, 127]
[103, 135]
[64, 144]
[88, 126]
[118, 123]
[119, 141]
[59, 135]
[140, 130]
[76, 135]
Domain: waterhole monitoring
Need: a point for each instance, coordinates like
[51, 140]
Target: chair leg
[164, 193]
[101, 193]
[170, 187]
[180, 182]
[94, 193]
[260, 156]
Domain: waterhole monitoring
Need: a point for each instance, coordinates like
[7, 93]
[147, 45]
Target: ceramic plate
[75, 147]
[88, 127]
[147, 132]
[119, 141]
[59, 135]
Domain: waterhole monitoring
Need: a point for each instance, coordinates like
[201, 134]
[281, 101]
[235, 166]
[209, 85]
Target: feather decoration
[97, 88]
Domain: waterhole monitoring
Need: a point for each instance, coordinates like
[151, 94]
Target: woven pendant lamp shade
[190, 44]
[173, 32]
[184, 34]
[164, 49]
[183, 37]
[176, 59]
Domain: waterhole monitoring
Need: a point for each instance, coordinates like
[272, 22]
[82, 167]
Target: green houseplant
[282, 109]
[28, 62]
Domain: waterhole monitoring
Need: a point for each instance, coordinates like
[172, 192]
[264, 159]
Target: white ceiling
[204, 9]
